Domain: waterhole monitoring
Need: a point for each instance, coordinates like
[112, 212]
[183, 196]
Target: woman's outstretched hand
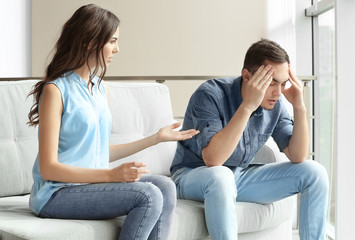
[168, 133]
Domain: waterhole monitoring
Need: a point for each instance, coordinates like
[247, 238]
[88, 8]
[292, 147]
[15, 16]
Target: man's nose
[277, 91]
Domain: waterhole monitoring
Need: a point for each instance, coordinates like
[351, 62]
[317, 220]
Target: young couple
[227, 121]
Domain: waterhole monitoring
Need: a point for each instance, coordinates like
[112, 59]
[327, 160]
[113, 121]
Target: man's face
[276, 87]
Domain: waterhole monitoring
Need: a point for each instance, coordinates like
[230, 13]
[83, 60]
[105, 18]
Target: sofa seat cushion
[17, 221]
[251, 217]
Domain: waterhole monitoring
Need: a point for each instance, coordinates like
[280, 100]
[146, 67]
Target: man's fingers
[265, 82]
[262, 75]
[293, 79]
[260, 69]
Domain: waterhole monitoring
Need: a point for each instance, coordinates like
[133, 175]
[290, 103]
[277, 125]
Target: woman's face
[111, 48]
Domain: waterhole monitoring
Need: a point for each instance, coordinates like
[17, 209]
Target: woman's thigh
[100, 201]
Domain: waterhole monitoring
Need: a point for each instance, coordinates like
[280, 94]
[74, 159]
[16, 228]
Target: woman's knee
[150, 196]
[164, 183]
[167, 188]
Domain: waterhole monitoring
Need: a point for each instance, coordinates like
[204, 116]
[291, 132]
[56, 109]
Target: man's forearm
[298, 148]
[223, 143]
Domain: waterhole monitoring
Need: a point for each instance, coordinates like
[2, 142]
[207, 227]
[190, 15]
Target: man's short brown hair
[261, 51]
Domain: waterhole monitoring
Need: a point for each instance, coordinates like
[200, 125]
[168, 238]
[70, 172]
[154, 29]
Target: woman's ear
[246, 74]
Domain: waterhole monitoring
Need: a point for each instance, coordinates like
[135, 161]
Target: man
[235, 117]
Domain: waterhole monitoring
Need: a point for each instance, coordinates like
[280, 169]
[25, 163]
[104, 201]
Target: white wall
[15, 38]
[169, 37]
[345, 177]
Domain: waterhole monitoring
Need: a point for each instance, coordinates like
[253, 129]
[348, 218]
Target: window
[326, 87]
[324, 68]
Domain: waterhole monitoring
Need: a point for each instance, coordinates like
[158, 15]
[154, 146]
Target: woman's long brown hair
[83, 35]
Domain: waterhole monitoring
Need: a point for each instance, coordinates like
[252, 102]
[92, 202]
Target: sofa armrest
[269, 153]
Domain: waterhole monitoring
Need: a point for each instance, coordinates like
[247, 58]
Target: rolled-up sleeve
[283, 130]
[205, 118]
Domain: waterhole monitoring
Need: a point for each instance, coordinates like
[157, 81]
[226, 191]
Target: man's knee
[316, 174]
[221, 179]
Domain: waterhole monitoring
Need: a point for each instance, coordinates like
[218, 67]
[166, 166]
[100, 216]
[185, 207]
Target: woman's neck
[84, 73]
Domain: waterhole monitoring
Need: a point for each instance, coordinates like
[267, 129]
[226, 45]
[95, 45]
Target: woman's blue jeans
[219, 188]
[149, 205]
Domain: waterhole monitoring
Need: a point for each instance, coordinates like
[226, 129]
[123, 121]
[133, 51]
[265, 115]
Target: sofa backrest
[139, 110]
[18, 142]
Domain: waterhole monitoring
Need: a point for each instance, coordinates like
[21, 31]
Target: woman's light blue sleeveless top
[83, 137]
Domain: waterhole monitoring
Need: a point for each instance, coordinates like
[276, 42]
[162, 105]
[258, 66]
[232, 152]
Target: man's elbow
[212, 164]
[211, 161]
[297, 160]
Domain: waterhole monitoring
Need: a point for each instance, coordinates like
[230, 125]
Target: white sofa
[138, 110]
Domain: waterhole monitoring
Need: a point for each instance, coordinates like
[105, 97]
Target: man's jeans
[148, 204]
[219, 188]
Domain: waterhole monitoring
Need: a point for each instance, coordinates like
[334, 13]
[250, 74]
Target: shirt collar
[238, 90]
[77, 77]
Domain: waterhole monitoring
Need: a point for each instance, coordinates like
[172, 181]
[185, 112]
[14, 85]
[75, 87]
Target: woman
[71, 175]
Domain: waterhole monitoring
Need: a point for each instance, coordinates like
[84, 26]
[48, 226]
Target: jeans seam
[145, 214]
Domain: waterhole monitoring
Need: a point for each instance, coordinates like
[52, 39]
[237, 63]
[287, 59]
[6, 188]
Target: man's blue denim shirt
[210, 109]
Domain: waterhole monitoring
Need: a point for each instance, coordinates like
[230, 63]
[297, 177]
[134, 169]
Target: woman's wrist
[156, 138]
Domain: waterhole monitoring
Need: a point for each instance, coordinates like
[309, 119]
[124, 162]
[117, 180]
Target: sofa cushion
[140, 110]
[17, 222]
[18, 142]
[251, 217]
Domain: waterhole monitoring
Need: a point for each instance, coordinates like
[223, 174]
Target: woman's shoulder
[63, 82]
